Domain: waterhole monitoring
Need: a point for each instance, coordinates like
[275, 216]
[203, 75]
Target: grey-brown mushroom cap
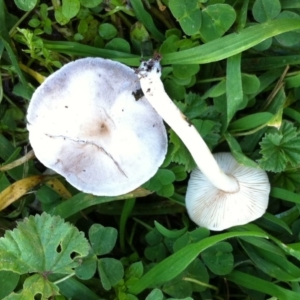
[217, 210]
[88, 123]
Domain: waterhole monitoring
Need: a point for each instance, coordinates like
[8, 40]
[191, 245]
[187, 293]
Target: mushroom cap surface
[86, 123]
[217, 210]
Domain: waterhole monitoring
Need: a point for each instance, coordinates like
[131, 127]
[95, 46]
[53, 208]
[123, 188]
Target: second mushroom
[221, 192]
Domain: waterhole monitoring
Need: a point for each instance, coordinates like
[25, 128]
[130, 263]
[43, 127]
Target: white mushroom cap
[85, 123]
[215, 209]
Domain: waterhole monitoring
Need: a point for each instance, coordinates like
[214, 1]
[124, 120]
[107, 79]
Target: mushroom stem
[152, 86]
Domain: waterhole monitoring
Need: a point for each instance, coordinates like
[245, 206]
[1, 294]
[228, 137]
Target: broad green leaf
[111, 271]
[250, 83]
[103, 239]
[26, 5]
[86, 270]
[70, 8]
[118, 44]
[216, 20]
[264, 10]
[107, 31]
[255, 283]
[234, 91]
[173, 265]
[281, 149]
[188, 14]
[8, 282]
[44, 244]
[219, 258]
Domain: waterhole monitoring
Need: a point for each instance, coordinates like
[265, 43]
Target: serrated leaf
[44, 244]
[280, 150]
[179, 153]
[33, 285]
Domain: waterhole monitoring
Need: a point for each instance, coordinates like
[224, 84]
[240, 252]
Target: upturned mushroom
[221, 192]
[87, 123]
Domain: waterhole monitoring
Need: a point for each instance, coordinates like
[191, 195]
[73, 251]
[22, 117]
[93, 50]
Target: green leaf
[146, 19]
[8, 282]
[107, 31]
[70, 8]
[169, 233]
[264, 10]
[81, 201]
[90, 3]
[255, 283]
[251, 121]
[86, 270]
[75, 290]
[103, 239]
[155, 294]
[179, 152]
[281, 149]
[185, 71]
[111, 271]
[216, 20]
[250, 83]
[135, 270]
[118, 44]
[173, 265]
[42, 244]
[234, 91]
[33, 285]
[188, 14]
[231, 44]
[277, 266]
[26, 5]
[219, 258]
[288, 39]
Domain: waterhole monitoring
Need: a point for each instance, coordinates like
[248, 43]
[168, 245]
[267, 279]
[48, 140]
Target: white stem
[149, 74]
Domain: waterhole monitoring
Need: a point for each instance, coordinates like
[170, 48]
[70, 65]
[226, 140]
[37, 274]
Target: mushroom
[221, 192]
[87, 123]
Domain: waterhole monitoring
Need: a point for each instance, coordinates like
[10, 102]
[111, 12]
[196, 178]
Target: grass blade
[231, 44]
[177, 262]
[261, 285]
